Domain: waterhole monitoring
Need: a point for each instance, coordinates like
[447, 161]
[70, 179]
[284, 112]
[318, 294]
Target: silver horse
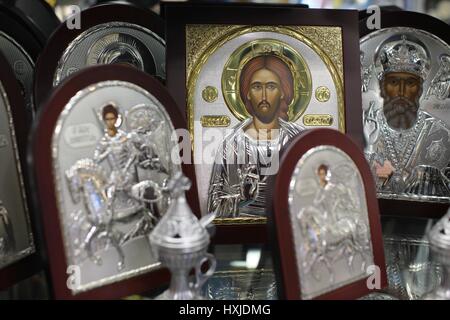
[328, 235]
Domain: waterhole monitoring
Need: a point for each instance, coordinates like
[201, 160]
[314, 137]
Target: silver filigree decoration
[366, 73]
[123, 183]
[331, 227]
[440, 85]
[404, 55]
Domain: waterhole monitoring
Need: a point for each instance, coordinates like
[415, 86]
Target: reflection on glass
[411, 273]
[242, 285]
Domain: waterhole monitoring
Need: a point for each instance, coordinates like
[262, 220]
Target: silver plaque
[406, 101]
[329, 217]
[23, 67]
[112, 157]
[114, 42]
[16, 239]
[233, 168]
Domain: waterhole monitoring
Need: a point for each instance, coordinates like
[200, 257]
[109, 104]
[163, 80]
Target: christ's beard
[400, 113]
[265, 117]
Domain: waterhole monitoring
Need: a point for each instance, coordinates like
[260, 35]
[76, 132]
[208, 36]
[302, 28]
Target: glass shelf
[246, 272]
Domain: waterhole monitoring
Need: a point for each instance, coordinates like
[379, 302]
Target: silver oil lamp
[439, 237]
[180, 242]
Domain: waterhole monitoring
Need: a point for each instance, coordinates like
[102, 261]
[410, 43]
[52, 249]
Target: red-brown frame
[43, 165]
[61, 38]
[279, 222]
[30, 264]
[178, 15]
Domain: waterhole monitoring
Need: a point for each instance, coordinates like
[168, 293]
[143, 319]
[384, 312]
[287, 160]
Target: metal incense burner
[439, 237]
[180, 241]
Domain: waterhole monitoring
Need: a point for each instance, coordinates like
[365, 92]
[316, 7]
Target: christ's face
[401, 99]
[110, 120]
[265, 95]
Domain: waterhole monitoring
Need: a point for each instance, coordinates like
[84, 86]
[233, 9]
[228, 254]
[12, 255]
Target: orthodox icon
[248, 86]
[252, 90]
[406, 126]
[16, 241]
[114, 33]
[110, 137]
[114, 184]
[325, 216]
[238, 183]
[330, 217]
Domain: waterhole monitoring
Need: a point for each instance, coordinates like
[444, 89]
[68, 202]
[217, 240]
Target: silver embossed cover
[112, 157]
[113, 42]
[16, 239]
[406, 95]
[329, 217]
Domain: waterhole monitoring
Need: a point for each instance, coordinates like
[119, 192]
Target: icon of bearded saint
[250, 153]
[399, 133]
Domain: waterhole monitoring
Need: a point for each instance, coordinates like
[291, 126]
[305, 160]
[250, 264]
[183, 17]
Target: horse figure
[327, 239]
[155, 200]
[88, 182]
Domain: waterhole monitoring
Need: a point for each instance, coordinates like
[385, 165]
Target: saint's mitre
[404, 55]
